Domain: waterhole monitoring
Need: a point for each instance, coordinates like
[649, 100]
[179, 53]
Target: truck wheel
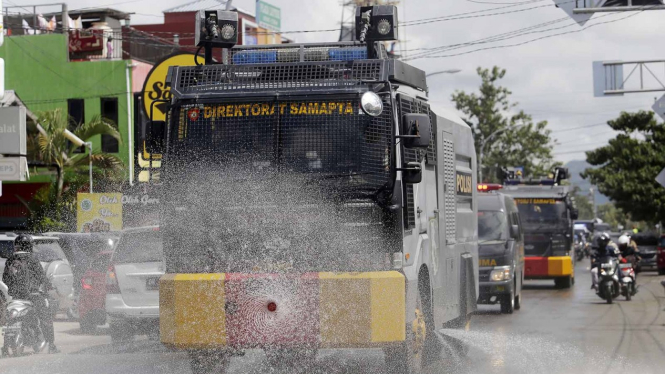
[410, 357]
[203, 362]
[661, 271]
[508, 303]
[563, 282]
[518, 298]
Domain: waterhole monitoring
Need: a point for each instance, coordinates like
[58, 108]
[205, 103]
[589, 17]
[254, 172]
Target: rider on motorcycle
[26, 279]
[605, 248]
[628, 249]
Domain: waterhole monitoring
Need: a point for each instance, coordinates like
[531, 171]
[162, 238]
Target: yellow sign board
[265, 109]
[537, 201]
[155, 88]
[99, 212]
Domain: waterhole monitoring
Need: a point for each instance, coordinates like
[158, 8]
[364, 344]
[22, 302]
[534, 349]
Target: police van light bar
[485, 187]
[530, 182]
[382, 23]
[216, 28]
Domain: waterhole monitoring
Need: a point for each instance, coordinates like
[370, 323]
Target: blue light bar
[255, 57]
[348, 54]
[531, 182]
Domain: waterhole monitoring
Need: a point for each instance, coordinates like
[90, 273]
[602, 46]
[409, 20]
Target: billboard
[268, 16]
[98, 212]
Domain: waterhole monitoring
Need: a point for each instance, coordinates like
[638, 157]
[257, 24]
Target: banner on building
[99, 212]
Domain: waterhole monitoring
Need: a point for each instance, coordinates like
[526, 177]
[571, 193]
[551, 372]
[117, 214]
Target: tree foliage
[54, 148]
[54, 206]
[584, 206]
[508, 139]
[628, 165]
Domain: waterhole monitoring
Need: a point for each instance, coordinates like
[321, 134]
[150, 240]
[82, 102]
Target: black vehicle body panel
[505, 251]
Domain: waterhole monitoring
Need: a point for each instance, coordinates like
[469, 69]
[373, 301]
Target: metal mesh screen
[331, 138]
[238, 78]
[409, 105]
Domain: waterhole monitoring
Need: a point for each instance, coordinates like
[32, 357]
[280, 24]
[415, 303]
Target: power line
[579, 127]
[533, 40]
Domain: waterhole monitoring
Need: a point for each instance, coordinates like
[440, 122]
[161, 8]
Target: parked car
[55, 263]
[648, 246]
[660, 256]
[92, 297]
[132, 284]
[81, 249]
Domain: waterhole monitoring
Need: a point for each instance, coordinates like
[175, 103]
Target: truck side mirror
[514, 231]
[416, 130]
[412, 174]
[155, 136]
[574, 214]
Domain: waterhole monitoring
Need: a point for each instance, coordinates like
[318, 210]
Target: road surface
[557, 331]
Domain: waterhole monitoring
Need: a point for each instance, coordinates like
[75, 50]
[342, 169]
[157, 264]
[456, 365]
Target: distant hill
[576, 167]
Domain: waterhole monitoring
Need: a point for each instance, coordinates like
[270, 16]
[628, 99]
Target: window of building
[109, 111]
[76, 113]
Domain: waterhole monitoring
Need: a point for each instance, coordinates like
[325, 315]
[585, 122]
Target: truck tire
[518, 298]
[412, 355]
[508, 303]
[204, 362]
[564, 282]
[661, 271]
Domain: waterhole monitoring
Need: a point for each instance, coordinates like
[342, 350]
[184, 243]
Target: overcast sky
[550, 78]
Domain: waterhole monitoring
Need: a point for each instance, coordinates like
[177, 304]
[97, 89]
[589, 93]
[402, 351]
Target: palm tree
[54, 148]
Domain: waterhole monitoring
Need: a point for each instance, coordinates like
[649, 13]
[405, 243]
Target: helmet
[624, 240]
[23, 243]
[603, 240]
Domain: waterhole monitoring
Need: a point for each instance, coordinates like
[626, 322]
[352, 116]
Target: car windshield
[49, 251]
[137, 247]
[322, 139]
[492, 225]
[547, 212]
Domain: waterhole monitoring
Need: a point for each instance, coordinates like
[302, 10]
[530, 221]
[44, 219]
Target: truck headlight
[499, 274]
[371, 104]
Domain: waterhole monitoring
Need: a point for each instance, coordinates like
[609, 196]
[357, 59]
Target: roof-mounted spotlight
[216, 29]
[376, 23]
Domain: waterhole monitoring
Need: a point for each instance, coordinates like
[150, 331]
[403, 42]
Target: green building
[39, 70]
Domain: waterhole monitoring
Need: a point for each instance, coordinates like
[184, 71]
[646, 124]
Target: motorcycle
[609, 287]
[627, 280]
[22, 329]
[579, 251]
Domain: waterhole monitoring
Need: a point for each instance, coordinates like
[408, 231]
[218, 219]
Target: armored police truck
[547, 212]
[312, 198]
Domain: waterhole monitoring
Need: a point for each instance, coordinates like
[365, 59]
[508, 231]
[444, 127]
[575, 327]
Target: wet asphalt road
[556, 331]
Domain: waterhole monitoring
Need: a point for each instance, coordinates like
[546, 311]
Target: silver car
[55, 263]
[132, 284]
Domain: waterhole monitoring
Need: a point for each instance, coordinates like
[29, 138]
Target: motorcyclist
[628, 249]
[605, 248]
[26, 279]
